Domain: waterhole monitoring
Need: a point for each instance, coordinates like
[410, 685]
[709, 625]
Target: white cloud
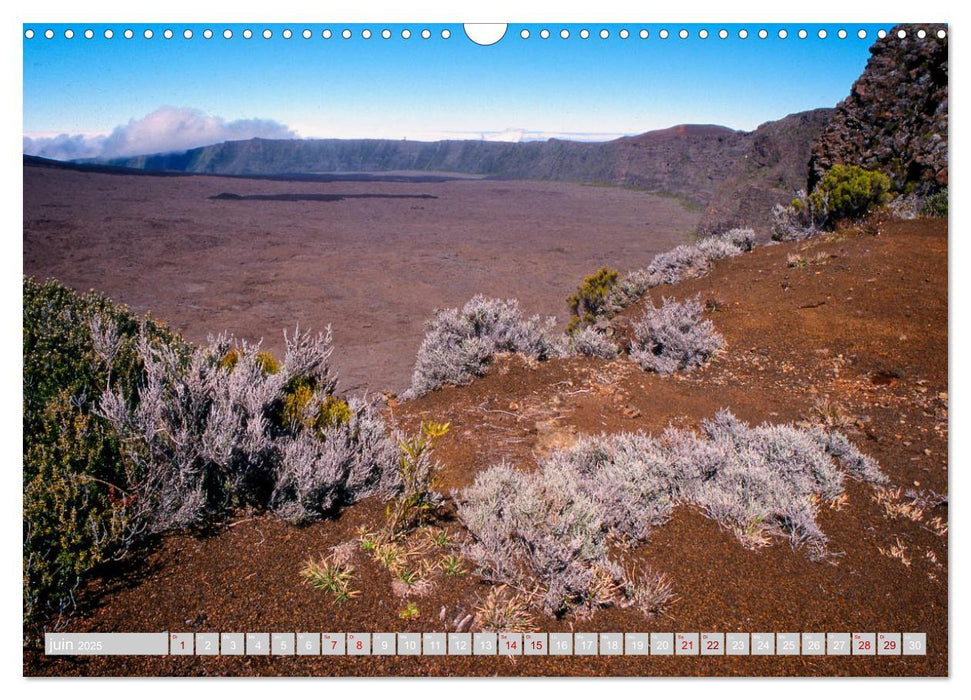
[165, 130]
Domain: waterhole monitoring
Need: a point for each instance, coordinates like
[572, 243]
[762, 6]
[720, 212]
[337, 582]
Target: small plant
[391, 556]
[439, 538]
[839, 502]
[410, 612]
[651, 592]
[938, 526]
[369, 540]
[451, 565]
[503, 611]
[752, 534]
[897, 550]
[829, 415]
[589, 301]
[796, 260]
[327, 575]
[416, 498]
[409, 576]
[936, 204]
[714, 306]
[674, 338]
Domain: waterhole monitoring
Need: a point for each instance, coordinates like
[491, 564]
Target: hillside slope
[853, 338]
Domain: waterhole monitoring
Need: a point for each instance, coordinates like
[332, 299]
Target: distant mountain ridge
[652, 161]
[735, 175]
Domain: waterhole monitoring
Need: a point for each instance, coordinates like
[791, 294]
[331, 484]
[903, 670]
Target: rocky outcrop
[895, 119]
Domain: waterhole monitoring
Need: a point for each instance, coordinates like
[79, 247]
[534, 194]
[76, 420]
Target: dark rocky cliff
[895, 118]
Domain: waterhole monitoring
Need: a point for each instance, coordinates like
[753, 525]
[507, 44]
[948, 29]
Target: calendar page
[527, 349]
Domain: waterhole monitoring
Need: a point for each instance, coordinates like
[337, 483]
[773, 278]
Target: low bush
[335, 465]
[550, 528]
[849, 191]
[674, 337]
[73, 519]
[460, 344]
[589, 343]
[844, 192]
[589, 301]
[78, 510]
[208, 436]
[535, 529]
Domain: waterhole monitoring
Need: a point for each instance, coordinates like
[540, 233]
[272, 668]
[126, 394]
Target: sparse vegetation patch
[549, 531]
[681, 263]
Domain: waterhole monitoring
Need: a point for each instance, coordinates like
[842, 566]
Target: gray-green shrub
[550, 527]
[459, 344]
[674, 337]
[587, 342]
[209, 435]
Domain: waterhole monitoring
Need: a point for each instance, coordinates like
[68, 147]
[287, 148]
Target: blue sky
[206, 89]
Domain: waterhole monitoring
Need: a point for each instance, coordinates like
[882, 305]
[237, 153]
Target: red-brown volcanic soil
[375, 267]
[862, 327]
